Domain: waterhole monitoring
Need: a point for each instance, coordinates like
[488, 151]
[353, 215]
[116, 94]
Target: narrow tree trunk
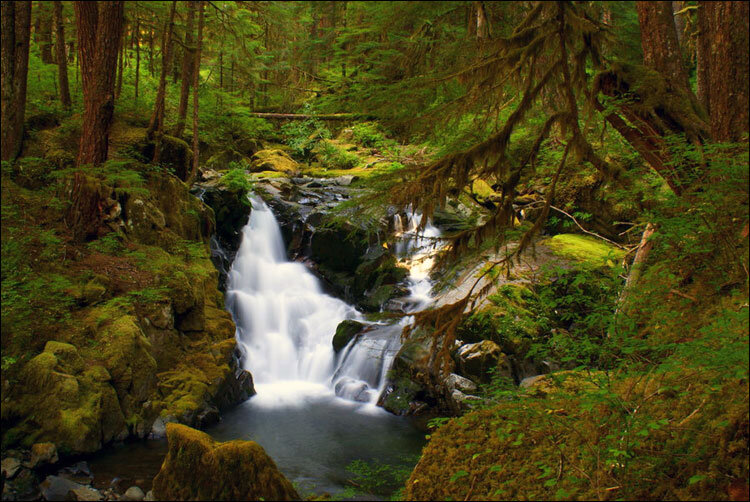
[14, 65]
[120, 65]
[156, 125]
[723, 66]
[151, 52]
[99, 29]
[187, 71]
[196, 75]
[43, 35]
[62, 60]
[221, 70]
[137, 57]
[636, 268]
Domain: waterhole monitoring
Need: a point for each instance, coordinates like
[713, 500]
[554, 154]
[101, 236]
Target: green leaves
[458, 475]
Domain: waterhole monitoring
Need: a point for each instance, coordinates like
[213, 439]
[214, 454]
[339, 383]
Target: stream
[315, 411]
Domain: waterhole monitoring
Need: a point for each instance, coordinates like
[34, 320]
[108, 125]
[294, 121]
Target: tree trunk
[661, 50]
[14, 64]
[151, 52]
[43, 32]
[196, 75]
[221, 70]
[99, 27]
[99, 32]
[120, 65]
[723, 67]
[62, 60]
[156, 124]
[187, 70]
[679, 21]
[137, 57]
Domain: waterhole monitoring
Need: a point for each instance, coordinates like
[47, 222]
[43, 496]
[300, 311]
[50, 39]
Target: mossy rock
[57, 401]
[345, 331]
[586, 250]
[375, 300]
[273, 160]
[126, 353]
[198, 468]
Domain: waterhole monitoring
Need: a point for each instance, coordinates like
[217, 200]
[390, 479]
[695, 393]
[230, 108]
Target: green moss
[198, 468]
[584, 442]
[587, 250]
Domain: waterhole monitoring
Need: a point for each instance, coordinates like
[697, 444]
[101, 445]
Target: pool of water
[314, 438]
[312, 435]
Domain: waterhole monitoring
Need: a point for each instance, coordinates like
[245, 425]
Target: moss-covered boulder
[198, 468]
[61, 400]
[273, 160]
[586, 250]
[345, 331]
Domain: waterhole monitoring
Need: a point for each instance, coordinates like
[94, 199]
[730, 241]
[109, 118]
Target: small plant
[237, 179]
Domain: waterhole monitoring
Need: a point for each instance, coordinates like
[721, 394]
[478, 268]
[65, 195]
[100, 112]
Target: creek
[315, 411]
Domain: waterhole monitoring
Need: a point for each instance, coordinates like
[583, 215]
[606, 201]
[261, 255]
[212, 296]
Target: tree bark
[62, 60]
[14, 64]
[723, 67]
[187, 70]
[120, 65]
[43, 32]
[137, 57]
[661, 50]
[99, 29]
[156, 124]
[196, 75]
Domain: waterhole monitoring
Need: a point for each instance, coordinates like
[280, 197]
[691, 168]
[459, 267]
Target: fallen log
[304, 116]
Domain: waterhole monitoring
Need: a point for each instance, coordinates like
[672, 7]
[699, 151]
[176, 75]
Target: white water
[285, 323]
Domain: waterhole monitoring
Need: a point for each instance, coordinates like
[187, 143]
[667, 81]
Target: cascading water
[285, 322]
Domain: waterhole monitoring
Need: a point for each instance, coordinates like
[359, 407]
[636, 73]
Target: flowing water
[315, 411]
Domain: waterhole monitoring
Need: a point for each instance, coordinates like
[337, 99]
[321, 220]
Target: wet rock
[9, 467]
[345, 331]
[25, 486]
[57, 488]
[457, 382]
[84, 493]
[133, 493]
[346, 180]
[149, 496]
[197, 467]
[232, 210]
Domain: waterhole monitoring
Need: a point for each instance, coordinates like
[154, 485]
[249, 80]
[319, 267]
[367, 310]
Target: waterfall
[285, 323]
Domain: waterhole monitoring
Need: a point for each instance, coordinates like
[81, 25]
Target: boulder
[273, 160]
[457, 382]
[10, 467]
[42, 454]
[133, 493]
[345, 331]
[198, 468]
[57, 488]
[477, 360]
[84, 493]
